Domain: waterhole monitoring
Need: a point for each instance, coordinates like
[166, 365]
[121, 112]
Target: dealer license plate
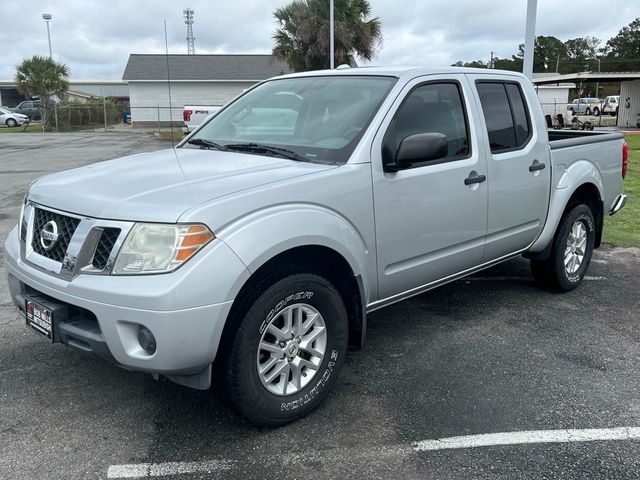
[39, 317]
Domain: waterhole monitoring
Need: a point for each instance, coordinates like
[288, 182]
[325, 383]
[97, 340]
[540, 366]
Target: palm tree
[302, 39]
[42, 77]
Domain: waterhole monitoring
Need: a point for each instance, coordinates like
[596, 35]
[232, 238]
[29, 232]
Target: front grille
[104, 248]
[66, 227]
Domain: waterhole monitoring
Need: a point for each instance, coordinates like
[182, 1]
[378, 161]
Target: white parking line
[517, 278]
[534, 436]
[149, 470]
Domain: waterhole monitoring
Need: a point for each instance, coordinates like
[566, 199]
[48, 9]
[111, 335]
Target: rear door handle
[474, 178]
[536, 165]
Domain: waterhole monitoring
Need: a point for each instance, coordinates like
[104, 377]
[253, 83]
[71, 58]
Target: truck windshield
[314, 118]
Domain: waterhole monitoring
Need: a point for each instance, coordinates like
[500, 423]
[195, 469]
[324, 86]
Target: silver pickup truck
[255, 249]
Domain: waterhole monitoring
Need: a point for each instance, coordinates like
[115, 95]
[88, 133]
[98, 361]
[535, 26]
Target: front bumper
[109, 310]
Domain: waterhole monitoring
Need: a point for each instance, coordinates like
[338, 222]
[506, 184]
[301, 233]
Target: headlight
[23, 224]
[159, 248]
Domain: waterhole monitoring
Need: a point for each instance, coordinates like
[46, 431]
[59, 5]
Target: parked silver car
[588, 106]
[12, 119]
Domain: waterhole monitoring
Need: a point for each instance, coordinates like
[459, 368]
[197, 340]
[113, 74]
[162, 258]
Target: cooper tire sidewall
[583, 214]
[310, 290]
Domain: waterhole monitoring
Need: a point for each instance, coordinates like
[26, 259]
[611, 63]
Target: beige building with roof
[192, 80]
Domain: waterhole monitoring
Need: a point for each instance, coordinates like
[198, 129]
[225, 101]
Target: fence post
[104, 109]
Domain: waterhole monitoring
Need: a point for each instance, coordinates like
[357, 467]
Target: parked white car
[11, 119]
[611, 104]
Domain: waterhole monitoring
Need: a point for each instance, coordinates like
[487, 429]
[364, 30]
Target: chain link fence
[93, 114]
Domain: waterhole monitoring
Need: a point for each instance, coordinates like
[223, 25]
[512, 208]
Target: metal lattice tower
[188, 20]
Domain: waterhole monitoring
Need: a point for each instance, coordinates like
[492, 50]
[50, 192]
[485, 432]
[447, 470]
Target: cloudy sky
[95, 38]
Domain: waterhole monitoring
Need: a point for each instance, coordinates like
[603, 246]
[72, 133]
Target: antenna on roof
[188, 20]
[166, 49]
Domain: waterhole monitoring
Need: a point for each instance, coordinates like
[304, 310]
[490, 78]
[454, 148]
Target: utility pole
[529, 38]
[598, 83]
[491, 62]
[331, 44]
[188, 20]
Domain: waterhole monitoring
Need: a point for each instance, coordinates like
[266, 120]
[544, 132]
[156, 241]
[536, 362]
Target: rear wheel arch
[586, 193]
[589, 195]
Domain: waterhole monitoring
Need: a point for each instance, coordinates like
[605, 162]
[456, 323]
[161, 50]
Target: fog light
[146, 340]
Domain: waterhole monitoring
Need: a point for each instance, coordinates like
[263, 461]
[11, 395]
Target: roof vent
[343, 66]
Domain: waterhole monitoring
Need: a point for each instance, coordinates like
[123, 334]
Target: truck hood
[160, 186]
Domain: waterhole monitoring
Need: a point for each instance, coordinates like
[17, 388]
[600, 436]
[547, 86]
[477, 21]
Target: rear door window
[505, 114]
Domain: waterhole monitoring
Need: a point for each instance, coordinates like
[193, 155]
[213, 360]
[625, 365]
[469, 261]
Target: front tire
[587, 111]
[571, 252]
[11, 123]
[285, 353]
[596, 112]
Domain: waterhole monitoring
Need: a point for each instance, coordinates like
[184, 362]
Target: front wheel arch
[315, 259]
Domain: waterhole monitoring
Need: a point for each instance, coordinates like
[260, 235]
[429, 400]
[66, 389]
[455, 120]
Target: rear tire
[587, 111]
[596, 112]
[269, 339]
[571, 252]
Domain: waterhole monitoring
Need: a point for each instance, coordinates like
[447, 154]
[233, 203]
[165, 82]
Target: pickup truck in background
[194, 115]
[262, 241]
[611, 105]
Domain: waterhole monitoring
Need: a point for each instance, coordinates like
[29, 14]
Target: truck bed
[571, 138]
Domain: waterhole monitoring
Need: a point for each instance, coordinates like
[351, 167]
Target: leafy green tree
[514, 65]
[546, 52]
[302, 38]
[42, 77]
[622, 52]
[582, 53]
[472, 64]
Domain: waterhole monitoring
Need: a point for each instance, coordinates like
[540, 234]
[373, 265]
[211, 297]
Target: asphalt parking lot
[482, 355]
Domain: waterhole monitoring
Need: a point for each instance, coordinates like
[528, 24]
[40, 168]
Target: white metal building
[629, 114]
[192, 80]
[553, 98]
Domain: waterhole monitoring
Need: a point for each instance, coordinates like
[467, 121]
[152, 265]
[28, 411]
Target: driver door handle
[536, 166]
[474, 178]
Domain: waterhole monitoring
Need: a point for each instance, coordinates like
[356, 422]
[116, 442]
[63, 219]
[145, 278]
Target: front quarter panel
[263, 234]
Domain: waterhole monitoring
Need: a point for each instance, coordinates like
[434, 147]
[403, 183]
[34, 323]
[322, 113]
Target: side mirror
[421, 147]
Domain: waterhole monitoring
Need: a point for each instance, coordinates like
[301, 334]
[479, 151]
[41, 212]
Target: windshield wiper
[259, 147]
[206, 143]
